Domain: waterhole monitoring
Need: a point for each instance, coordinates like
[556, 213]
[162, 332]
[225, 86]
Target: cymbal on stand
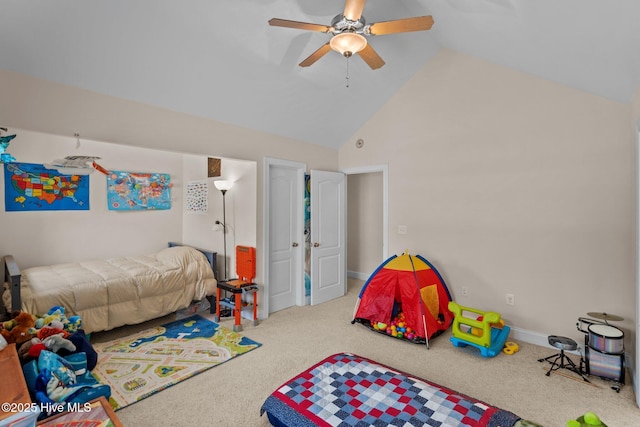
[605, 316]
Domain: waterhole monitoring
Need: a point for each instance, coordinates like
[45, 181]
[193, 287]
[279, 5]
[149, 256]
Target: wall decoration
[33, 187]
[75, 165]
[197, 196]
[4, 144]
[138, 191]
[214, 167]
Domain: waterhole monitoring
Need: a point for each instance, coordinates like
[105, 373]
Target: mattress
[349, 390]
[119, 291]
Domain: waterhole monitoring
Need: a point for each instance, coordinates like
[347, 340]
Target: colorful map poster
[138, 191]
[32, 187]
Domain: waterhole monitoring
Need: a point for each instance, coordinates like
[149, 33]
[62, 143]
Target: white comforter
[120, 291]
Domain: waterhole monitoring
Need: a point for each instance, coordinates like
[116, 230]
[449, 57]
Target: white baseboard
[357, 275]
[531, 337]
[537, 338]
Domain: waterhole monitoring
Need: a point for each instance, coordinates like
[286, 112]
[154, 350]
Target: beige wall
[510, 184]
[635, 107]
[364, 223]
[240, 201]
[42, 106]
[49, 237]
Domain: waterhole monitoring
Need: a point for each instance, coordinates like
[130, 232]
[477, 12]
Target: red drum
[606, 339]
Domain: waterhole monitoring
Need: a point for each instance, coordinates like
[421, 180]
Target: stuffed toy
[47, 331]
[56, 316]
[20, 330]
[57, 342]
[589, 419]
[31, 349]
[54, 343]
[9, 324]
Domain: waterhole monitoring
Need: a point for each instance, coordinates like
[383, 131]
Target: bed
[114, 292]
[349, 390]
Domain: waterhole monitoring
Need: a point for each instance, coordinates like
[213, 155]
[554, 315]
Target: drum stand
[558, 360]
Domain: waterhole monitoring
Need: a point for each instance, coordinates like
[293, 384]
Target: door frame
[300, 169]
[385, 200]
[635, 363]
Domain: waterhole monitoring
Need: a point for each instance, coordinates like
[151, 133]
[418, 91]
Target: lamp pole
[223, 186]
[224, 230]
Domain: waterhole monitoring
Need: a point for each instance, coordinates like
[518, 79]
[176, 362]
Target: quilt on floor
[349, 390]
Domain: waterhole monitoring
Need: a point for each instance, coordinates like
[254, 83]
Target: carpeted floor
[147, 362]
[295, 338]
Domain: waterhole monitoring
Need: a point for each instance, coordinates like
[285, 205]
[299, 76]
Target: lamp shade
[348, 44]
[223, 185]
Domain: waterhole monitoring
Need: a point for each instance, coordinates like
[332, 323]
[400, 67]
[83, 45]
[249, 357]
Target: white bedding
[120, 291]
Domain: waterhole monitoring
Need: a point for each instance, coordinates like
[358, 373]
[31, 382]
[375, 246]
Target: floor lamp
[223, 186]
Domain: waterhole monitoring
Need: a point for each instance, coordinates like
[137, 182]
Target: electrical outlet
[511, 299]
[402, 229]
[465, 291]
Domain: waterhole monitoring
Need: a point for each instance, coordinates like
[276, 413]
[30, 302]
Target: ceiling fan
[349, 30]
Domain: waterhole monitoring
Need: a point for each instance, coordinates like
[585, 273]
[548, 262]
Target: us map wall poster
[138, 191]
[197, 196]
[33, 187]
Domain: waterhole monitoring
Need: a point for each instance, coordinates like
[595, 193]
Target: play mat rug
[140, 365]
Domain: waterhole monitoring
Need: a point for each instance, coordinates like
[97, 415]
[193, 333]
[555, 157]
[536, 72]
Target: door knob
[316, 244]
[294, 244]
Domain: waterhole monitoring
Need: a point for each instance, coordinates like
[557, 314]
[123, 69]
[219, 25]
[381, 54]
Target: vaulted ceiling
[220, 59]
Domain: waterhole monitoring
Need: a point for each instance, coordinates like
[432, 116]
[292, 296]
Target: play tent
[410, 285]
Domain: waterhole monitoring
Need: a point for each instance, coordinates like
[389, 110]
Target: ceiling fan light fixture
[348, 43]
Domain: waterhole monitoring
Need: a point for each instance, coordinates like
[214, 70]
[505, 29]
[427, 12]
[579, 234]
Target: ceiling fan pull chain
[347, 71]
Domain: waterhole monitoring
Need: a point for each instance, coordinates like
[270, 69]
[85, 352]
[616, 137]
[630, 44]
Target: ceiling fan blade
[276, 22]
[311, 59]
[353, 9]
[371, 57]
[418, 23]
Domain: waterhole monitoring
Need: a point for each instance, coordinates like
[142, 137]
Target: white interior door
[328, 236]
[285, 237]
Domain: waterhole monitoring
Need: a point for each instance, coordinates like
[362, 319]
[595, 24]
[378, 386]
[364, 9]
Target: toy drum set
[604, 347]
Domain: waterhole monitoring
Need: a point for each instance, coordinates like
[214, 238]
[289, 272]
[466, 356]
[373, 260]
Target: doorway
[283, 235]
[367, 220]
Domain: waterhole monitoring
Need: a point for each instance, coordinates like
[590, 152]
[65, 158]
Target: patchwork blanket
[349, 390]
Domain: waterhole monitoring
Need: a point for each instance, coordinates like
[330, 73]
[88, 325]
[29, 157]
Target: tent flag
[405, 297]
